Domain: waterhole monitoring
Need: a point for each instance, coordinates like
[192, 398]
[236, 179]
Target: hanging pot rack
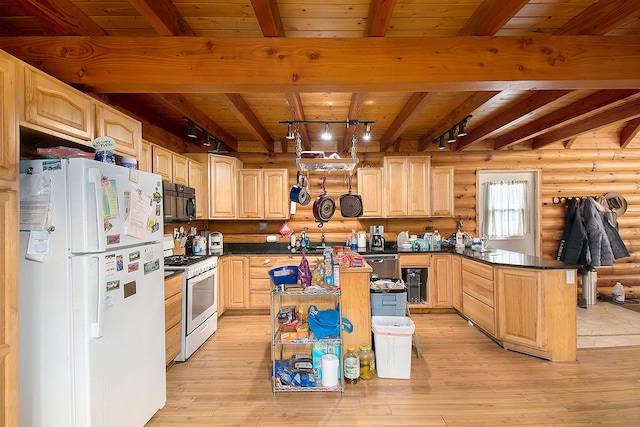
[325, 164]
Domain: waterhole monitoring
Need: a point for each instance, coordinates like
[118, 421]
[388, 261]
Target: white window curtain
[506, 209]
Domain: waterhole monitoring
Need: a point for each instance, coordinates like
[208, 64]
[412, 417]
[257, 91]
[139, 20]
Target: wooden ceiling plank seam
[164, 17]
[591, 104]
[510, 116]
[628, 111]
[297, 111]
[463, 110]
[228, 65]
[243, 112]
[185, 107]
[490, 17]
[629, 132]
[410, 110]
[64, 17]
[268, 16]
[379, 17]
[355, 108]
[601, 17]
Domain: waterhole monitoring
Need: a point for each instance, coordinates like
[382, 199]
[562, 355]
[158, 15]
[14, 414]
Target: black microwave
[179, 202]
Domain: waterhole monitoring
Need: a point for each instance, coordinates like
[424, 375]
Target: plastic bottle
[292, 241]
[351, 366]
[367, 362]
[354, 241]
[437, 241]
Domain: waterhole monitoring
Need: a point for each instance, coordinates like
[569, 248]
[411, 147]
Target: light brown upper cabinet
[196, 176]
[406, 186]
[162, 162]
[370, 189]
[125, 131]
[9, 146]
[219, 184]
[442, 191]
[180, 169]
[53, 107]
[145, 162]
[263, 193]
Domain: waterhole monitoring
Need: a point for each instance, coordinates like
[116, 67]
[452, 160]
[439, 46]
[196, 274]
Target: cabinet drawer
[414, 260]
[478, 287]
[479, 313]
[173, 343]
[172, 285]
[260, 284]
[477, 268]
[259, 299]
[172, 310]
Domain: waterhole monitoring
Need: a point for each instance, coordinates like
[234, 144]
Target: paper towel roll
[329, 363]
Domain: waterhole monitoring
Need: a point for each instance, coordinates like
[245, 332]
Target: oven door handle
[204, 275]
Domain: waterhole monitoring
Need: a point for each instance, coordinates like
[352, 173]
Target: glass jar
[351, 366]
[367, 362]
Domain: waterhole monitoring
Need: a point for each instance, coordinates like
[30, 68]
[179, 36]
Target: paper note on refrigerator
[35, 206]
[139, 210]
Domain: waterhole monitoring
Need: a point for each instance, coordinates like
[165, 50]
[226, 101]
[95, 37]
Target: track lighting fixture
[207, 139]
[326, 135]
[367, 132]
[440, 141]
[290, 134]
[452, 136]
[461, 126]
[192, 129]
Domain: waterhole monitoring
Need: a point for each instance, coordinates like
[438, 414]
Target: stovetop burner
[182, 260]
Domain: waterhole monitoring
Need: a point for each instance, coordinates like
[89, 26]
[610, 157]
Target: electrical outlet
[262, 226]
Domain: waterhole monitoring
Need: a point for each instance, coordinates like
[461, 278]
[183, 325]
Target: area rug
[605, 324]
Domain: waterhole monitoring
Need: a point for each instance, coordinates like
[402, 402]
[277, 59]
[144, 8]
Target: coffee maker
[376, 238]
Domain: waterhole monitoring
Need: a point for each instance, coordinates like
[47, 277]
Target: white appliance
[199, 299]
[215, 243]
[92, 304]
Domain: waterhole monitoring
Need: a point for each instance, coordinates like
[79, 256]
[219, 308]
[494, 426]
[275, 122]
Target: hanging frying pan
[350, 204]
[299, 193]
[324, 206]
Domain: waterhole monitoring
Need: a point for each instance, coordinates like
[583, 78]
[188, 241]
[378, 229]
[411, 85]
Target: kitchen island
[524, 303]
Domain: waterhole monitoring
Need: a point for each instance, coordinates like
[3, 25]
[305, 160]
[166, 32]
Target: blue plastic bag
[326, 323]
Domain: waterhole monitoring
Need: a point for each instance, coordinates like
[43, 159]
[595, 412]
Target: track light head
[461, 126]
[326, 135]
[207, 139]
[452, 135]
[367, 132]
[192, 129]
[290, 134]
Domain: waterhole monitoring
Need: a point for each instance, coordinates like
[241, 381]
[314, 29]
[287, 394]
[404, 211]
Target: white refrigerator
[91, 295]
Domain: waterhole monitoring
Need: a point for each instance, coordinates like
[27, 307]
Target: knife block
[177, 250]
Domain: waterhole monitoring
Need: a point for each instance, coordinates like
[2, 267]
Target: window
[506, 209]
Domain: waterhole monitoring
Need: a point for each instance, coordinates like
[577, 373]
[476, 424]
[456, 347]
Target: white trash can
[392, 338]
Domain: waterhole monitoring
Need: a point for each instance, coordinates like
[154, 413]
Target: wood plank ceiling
[531, 73]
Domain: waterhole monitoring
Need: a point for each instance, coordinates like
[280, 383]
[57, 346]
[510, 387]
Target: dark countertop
[495, 257]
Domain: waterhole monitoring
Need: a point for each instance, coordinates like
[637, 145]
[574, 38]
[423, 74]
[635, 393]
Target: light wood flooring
[461, 379]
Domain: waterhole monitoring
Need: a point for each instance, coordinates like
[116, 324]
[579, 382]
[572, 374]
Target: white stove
[199, 299]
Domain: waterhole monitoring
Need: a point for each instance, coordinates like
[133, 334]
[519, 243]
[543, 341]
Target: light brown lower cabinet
[172, 317]
[478, 303]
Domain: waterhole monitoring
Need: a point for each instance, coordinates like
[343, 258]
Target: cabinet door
[196, 174]
[395, 187]
[223, 191]
[251, 195]
[418, 186]
[238, 282]
[442, 191]
[145, 162]
[456, 282]
[275, 194]
[442, 285]
[520, 307]
[180, 169]
[57, 107]
[126, 131]
[370, 189]
[224, 280]
[162, 162]
[9, 146]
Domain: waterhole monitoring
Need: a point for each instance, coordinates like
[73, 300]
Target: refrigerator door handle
[98, 326]
[96, 179]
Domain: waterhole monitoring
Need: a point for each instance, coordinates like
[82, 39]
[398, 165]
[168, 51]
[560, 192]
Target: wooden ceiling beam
[163, 16]
[598, 101]
[629, 131]
[186, 108]
[268, 15]
[601, 17]
[229, 65]
[624, 112]
[490, 17]
[378, 18]
[63, 17]
[355, 107]
[462, 111]
[241, 110]
[410, 110]
[511, 116]
[297, 111]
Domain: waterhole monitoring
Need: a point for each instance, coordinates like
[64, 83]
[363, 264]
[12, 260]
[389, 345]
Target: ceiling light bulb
[367, 133]
[326, 135]
[452, 136]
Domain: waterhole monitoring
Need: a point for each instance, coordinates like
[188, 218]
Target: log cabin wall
[565, 172]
